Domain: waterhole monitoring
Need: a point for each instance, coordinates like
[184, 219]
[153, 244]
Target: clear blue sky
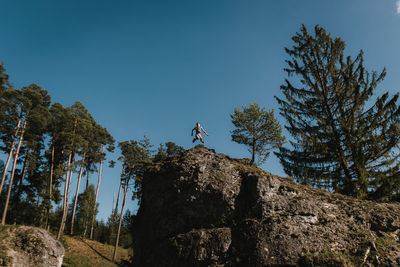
[157, 67]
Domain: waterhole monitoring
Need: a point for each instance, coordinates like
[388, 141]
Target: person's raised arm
[204, 131]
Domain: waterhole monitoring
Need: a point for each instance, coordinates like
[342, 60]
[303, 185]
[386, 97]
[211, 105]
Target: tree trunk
[69, 186]
[3, 178]
[87, 177]
[119, 192]
[66, 187]
[50, 188]
[253, 156]
[64, 216]
[42, 215]
[3, 218]
[77, 192]
[21, 181]
[97, 193]
[70, 174]
[120, 221]
[84, 232]
[112, 207]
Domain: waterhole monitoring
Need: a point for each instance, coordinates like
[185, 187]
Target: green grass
[78, 252]
[86, 253]
[243, 168]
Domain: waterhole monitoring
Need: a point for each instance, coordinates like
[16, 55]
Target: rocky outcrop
[205, 209]
[29, 246]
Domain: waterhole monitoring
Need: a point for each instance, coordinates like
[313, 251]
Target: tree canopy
[258, 129]
[344, 138]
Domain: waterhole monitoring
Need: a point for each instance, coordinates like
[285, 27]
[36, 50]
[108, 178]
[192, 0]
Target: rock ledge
[205, 209]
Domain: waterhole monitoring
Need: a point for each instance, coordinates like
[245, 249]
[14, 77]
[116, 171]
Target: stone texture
[205, 209]
[29, 246]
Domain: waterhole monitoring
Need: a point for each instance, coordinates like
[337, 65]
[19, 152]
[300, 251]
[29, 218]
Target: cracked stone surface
[202, 208]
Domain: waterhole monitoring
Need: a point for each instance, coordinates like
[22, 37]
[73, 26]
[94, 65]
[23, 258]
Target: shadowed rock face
[29, 246]
[205, 209]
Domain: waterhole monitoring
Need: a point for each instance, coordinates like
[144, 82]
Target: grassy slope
[4, 260]
[88, 253]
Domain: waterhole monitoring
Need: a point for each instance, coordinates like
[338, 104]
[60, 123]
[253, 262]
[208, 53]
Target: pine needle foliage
[344, 137]
[258, 129]
[136, 157]
[85, 211]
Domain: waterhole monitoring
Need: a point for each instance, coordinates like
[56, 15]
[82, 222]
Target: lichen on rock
[29, 246]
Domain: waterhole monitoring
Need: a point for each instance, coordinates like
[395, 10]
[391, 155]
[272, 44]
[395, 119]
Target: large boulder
[205, 209]
[29, 246]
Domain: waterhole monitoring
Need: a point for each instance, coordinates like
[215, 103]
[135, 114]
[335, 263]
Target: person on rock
[198, 130]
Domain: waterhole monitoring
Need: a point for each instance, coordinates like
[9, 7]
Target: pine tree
[1, 165]
[168, 150]
[12, 119]
[33, 109]
[173, 149]
[57, 132]
[161, 154]
[90, 130]
[136, 156]
[33, 144]
[103, 139]
[258, 129]
[4, 87]
[77, 192]
[78, 120]
[342, 138]
[112, 223]
[85, 211]
[125, 239]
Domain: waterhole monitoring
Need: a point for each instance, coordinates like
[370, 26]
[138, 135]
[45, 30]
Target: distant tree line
[45, 144]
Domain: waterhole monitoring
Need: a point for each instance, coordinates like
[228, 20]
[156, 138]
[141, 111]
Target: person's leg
[194, 140]
[198, 136]
[201, 139]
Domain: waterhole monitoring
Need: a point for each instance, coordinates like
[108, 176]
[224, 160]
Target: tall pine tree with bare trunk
[33, 109]
[136, 156]
[90, 144]
[103, 139]
[11, 120]
[59, 140]
[78, 126]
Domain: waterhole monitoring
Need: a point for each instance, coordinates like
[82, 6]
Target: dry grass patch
[85, 252]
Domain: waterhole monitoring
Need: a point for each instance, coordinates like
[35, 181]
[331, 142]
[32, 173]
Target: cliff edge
[201, 208]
